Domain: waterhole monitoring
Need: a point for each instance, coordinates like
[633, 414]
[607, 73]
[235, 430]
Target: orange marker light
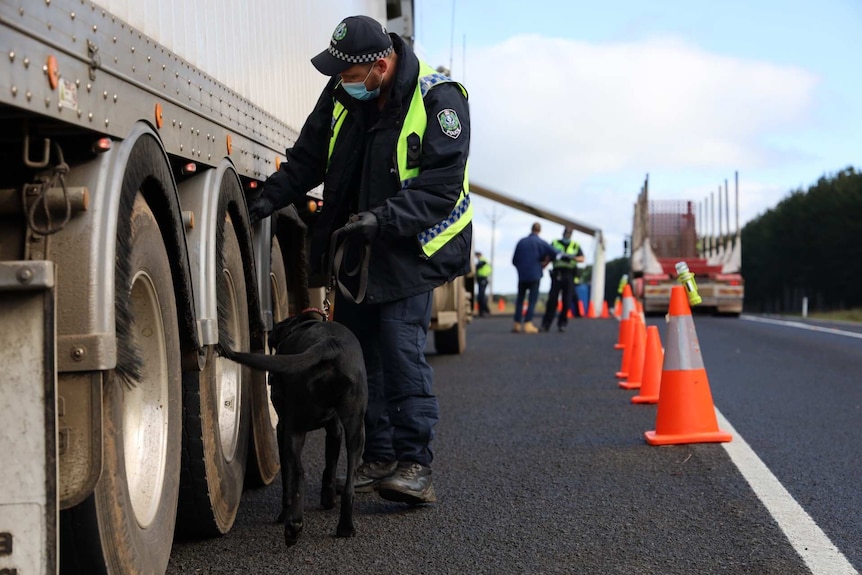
[312, 206]
[102, 145]
[229, 141]
[53, 72]
[159, 116]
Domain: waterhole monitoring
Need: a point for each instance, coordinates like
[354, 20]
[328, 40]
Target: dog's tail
[294, 364]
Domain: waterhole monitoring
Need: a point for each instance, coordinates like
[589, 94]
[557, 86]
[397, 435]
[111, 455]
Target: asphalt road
[541, 467]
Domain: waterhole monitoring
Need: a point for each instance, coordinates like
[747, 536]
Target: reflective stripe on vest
[569, 250]
[416, 121]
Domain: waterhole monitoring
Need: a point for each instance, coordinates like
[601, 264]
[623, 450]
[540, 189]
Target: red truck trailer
[665, 232]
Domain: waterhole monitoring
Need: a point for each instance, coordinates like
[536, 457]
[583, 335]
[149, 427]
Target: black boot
[368, 476]
[411, 483]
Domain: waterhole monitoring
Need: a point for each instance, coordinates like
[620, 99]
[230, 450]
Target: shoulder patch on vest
[449, 123]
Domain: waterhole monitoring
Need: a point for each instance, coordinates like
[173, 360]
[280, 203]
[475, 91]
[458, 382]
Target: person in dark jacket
[388, 139]
[532, 254]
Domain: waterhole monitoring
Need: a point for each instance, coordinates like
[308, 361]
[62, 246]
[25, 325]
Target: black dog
[318, 380]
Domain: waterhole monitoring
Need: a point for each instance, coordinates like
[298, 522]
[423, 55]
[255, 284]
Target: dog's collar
[315, 310]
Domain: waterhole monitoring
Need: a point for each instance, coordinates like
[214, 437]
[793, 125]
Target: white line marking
[819, 553]
[800, 325]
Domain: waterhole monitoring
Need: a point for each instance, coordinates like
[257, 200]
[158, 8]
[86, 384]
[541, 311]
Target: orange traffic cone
[621, 344]
[653, 359]
[628, 301]
[627, 306]
[593, 312]
[623, 333]
[686, 413]
[629, 335]
[501, 305]
[581, 308]
[569, 314]
[559, 306]
[636, 360]
[605, 314]
[618, 307]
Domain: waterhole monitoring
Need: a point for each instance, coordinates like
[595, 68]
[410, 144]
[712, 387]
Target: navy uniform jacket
[363, 176]
[529, 254]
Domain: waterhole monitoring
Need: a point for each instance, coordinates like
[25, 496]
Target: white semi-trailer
[132, 133]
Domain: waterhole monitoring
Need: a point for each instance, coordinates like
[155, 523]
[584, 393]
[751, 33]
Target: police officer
[389, 139]
[562, 280]
[483, 272]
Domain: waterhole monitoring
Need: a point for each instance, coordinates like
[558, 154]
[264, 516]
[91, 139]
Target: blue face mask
[359, 91]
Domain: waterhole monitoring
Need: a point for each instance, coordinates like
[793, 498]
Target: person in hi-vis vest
[388, 139]
[483, 272]
[562, 280]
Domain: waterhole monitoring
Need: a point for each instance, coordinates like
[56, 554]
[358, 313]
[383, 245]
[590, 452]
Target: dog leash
[337, 247]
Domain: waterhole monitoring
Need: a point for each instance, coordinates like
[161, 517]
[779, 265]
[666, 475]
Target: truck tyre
[264, 464]
[216, 400]
[453, 341]
[126, 525]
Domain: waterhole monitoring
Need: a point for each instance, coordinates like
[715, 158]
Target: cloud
[574, 126]
[553, 105]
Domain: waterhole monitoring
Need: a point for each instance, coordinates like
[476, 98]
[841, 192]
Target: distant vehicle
[665, 232]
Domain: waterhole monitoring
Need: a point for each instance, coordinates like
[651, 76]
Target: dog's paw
[345, 529]
[291, 533]
[327, 498]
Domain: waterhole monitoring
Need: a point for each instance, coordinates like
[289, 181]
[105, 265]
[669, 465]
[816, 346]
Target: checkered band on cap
[362, 58]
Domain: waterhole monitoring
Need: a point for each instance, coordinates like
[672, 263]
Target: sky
[573, 103]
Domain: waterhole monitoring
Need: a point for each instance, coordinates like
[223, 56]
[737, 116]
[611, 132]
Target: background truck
[132, 134]
[665, 232]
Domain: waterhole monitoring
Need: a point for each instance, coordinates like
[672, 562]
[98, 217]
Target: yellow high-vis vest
[570, 250]
[416, 121]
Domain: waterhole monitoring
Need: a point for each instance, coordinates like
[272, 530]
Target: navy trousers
[402, 410]
[530, 291]
[562, 283]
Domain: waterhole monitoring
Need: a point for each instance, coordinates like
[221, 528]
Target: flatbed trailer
[665, 232]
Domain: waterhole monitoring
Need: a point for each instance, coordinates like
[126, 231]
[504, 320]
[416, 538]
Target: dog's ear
[279, 332]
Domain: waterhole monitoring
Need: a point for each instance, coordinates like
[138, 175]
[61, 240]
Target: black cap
[356, 40]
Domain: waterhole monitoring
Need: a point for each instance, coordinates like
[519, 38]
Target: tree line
[808, 246]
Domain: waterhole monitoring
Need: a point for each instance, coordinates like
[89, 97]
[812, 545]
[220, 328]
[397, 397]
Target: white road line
[800, 325]
[819, 553]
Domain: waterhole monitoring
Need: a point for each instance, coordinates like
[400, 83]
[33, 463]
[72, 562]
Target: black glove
[259, 208]
[362, 225]
[565, 258]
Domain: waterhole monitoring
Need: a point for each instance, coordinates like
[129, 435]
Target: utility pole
[495, 216]
[452, 39]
